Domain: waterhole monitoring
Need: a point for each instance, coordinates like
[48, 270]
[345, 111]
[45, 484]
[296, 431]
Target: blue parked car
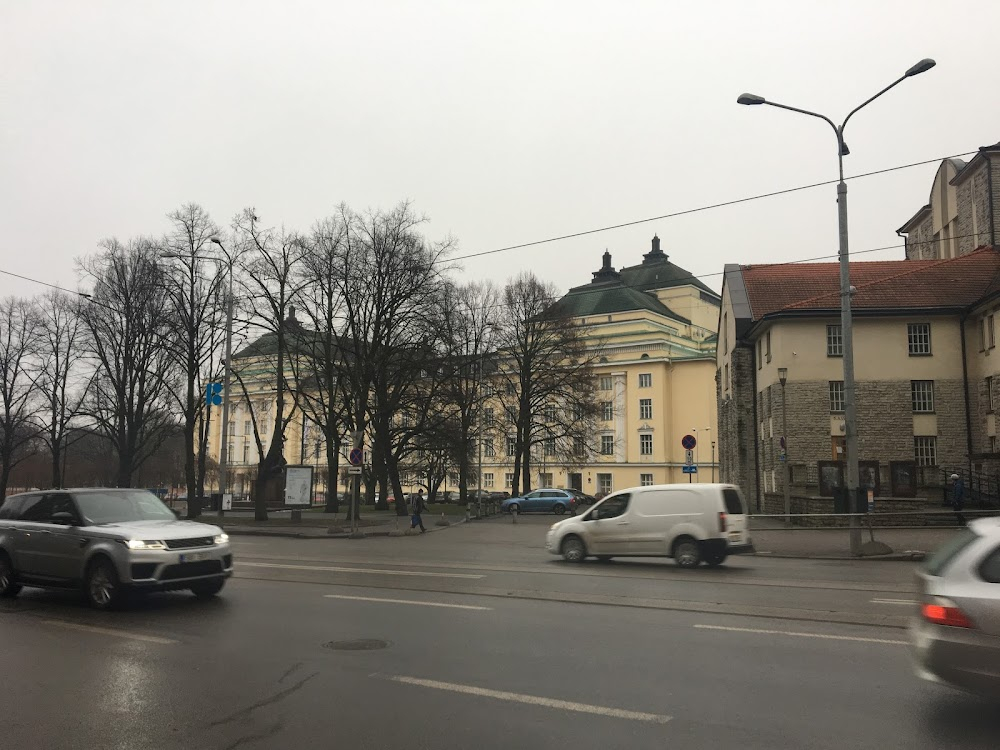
[541, 501]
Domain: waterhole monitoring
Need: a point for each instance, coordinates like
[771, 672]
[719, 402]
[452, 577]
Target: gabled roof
[881, 286]
[968, 168]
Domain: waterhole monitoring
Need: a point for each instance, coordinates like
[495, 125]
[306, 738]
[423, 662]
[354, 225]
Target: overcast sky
[504, 122]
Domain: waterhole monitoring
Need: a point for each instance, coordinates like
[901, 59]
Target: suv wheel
[8, 588]
[687, 554]
[102, 586]
[573, 549]
[208, 589]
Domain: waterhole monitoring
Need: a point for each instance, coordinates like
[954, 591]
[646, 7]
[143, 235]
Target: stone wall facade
[885, 429]
[737, 448]
[896, 511]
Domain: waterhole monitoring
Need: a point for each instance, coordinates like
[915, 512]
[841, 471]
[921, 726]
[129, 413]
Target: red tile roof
[881, 285]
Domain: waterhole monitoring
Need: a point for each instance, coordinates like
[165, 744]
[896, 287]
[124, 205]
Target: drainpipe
[989, 191]
[965, 392]
[756, 455]
[906, 243]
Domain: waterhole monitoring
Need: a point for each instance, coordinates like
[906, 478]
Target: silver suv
[107, 541]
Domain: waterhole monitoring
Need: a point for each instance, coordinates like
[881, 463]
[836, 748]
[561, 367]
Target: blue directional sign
[690, 469]
[213, 394]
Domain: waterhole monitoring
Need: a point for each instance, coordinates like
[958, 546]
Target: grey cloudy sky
[505, 122]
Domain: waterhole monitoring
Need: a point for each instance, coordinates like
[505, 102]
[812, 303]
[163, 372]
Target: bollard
[468, 511]
[513, 514]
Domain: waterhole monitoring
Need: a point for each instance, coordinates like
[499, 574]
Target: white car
[691, 523]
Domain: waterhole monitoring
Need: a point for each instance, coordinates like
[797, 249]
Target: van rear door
[737, 531]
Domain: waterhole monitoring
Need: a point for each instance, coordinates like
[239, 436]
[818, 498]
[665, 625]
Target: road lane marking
[531, 700]
[112, 631]
[405, 601]
[804, 635]
[907, 602]
[373, 571]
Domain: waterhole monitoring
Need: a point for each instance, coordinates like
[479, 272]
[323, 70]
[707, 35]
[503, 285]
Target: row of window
[918, 340]
[921, 396]
[606, 382]
[549, 446]
[645, 409]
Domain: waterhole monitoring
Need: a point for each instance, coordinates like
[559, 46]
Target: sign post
[688, 443]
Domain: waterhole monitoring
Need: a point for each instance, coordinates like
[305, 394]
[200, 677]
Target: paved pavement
[480, 639]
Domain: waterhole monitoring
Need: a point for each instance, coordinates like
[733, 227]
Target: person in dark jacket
[416, 508]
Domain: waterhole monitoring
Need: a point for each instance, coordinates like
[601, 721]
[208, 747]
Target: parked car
[499, 495]
[582, 498]
[541, 501]
[690, 523]
[956, 635]
[108, 542]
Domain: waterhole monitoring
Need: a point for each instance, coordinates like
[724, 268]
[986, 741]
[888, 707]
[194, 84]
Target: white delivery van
[691, 523]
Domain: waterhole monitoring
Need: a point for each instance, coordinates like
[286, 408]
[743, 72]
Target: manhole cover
[359, 644]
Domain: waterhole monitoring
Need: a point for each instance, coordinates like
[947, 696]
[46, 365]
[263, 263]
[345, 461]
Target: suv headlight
[222, 538]
[144, 544]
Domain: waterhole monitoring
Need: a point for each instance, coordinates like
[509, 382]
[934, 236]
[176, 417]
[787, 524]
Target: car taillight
[944, 612]
[722, 521]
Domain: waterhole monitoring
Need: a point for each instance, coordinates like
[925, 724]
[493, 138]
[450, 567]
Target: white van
[691, 523]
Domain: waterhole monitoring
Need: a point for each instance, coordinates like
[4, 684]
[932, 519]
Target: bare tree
[18, 341]
[61, 379]
[468, 323]
[546, 370]
[271, 279]
[323, 361]
[127, 320]
[197, 317]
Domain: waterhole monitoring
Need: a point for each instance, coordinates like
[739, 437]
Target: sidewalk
[771, 539]
[330, 527]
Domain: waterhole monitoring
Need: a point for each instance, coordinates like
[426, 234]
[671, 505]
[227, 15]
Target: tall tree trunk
[56, 463]
[332, 474]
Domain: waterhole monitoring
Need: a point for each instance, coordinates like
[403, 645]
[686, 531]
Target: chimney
[655, 255]
[607, 272]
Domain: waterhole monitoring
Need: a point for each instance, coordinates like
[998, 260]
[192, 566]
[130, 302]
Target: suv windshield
[116, 507]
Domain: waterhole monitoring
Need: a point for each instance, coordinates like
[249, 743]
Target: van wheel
[573, 549]
[8, 588]
[558, 509]
[715, 559]
[687, 554]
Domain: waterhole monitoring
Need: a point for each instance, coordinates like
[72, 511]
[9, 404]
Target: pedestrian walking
[416, 508]
[958, 497]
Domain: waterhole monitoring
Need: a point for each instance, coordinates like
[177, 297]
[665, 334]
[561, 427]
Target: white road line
[907, 602]
[531, 700]
[804, 635]
[405, 601]
[112, 631]
[373, 571]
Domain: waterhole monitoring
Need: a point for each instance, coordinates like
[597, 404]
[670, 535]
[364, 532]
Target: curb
[243, 531]
[913, 556]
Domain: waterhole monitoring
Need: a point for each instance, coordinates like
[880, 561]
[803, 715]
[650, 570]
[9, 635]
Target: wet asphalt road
[488, 643]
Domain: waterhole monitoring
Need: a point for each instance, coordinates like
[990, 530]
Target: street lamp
[785, 472]
[850, 411]
[224, 456]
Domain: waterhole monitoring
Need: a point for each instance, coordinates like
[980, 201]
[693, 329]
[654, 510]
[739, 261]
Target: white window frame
[834, 340]
[489, 449]
[607, 383]
[508, 479]
[645, 408]
[605, 483]
[922, 396]
[607, 411]
[607, 445]
[837, 399]
[918, 339]
[511, 447]
[925, 450]
[549, 446]
[645, 480]
[646, 444]
[645, 380]
[488, 479]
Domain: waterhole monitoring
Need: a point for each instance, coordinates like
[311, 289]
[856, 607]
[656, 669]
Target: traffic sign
[355, 457]
[690, 469]
[353, 469]
[213, 394]
[688, 442]
[689, 457]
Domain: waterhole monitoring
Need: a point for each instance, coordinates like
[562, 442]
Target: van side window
[734, 504]
[613, 506]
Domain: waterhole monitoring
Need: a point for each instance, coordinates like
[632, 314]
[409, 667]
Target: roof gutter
[989, 192]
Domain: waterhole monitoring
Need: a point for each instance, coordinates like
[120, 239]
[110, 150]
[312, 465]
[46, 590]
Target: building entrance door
[576, 481]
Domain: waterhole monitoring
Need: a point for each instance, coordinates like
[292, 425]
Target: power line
[44, 283]
[703, 208]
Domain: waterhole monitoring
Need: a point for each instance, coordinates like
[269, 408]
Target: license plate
[194, 556]
[735, 536]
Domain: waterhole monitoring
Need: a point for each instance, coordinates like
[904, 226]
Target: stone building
[925, 365]
[963, 211]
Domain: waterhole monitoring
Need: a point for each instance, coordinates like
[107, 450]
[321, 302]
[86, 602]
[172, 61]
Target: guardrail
[931, 518]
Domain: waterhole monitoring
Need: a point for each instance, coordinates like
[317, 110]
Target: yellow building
[652, 326]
